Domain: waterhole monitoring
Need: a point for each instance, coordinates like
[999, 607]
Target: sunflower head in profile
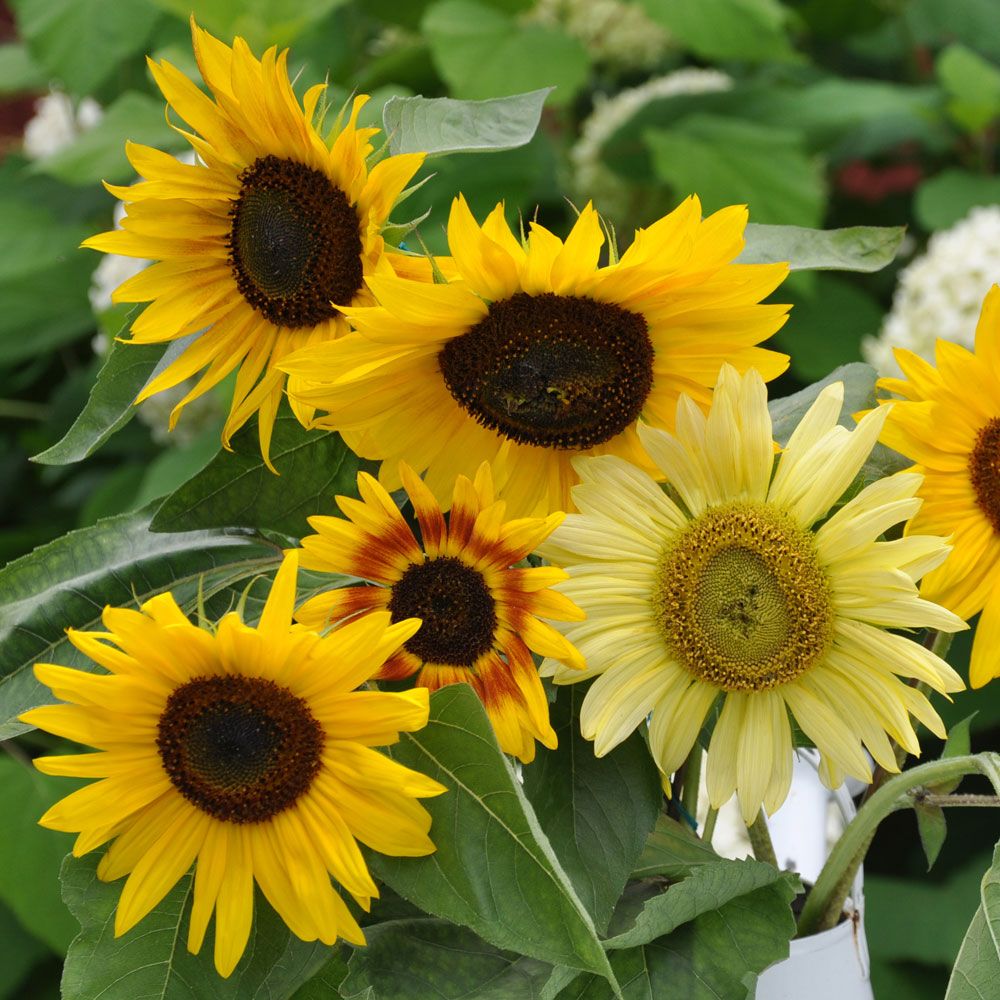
[245, 751]
[259, 244]
[480, 613]
[536, 355]
[948, 422]
[749, 592]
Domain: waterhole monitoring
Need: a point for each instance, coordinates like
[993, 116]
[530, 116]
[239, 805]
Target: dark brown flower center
[741, 599]
[295, 244]
[554, 371]
[456, 607]
[241, 749]
[984, 471]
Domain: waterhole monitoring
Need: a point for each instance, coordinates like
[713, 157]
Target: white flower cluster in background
[615, 32]
[940, 294]
[592, 178]
[57, 122]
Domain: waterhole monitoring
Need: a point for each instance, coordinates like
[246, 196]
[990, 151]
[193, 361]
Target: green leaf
[236, 489]
[958, 744]
[951, 195]
[152, 959]
[707, 887]
[481, 53]
[18, 71]
[83, 42]
[417, 959]
[494, 870]
[437, 125]
[29, 875]
[933, 829]
[672, 851]
[973, 84]
[119, 562]
[976, 975]
[325, 984]
[99, 153]
[709, 957]
[126, 369]
[726, 29]
[859, 248]
[596, 812]
[730, 161]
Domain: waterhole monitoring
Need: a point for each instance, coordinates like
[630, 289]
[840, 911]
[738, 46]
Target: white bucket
[834, 964]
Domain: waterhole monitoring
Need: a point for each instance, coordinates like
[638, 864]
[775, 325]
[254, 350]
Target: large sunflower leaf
[494, 870]
[976, 975]
[417, 959]
[152, 959]
[673, 851]
[236, 489]
[437, 125]
[596, 812]
[725, 935]
[857, 248]
[117, 561]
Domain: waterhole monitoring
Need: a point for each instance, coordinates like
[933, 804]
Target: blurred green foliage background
[813, 113]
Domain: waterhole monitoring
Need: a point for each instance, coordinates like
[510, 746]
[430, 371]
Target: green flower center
[553, 371]
[984, 471]
[456, 607]
[241, 749]
[741, 599]
[295, 245]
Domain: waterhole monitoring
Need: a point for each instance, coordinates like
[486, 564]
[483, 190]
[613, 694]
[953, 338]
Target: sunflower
[748, 592]
[246, 749]
[949, 423]
[261, 243]
[536, 355]
[479, 613]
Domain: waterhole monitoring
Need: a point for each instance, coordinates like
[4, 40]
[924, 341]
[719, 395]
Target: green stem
[708, 830]
[692, 782]
[989, 801]
[760, 840]
[825, 902]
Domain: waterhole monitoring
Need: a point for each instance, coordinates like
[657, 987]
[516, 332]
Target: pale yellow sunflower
[949, 423]
[536, 354]
[750, 592]
[263, 241]
[481, 613]
[245, 751]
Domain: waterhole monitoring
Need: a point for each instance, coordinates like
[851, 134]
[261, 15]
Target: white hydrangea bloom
[592, 179]
[612, 31]
[940, 294]
[57, 122]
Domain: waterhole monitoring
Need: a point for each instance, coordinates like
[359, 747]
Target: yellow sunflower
[244, 749]
[949, 423]
[261, 243]
[536, 354]
[479, 612]
[749, 591]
